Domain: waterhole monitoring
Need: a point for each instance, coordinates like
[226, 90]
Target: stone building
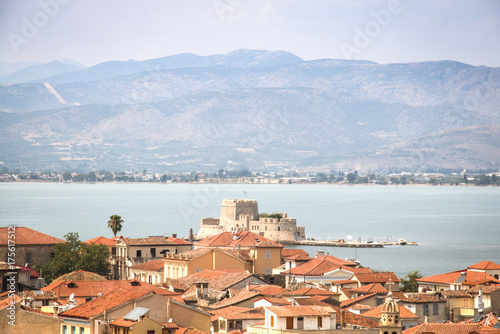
[243, 215]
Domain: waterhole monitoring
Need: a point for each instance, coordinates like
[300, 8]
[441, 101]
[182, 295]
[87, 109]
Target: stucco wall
[27, 322]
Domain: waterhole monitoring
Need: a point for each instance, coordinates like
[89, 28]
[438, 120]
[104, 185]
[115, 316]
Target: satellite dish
[71, 297]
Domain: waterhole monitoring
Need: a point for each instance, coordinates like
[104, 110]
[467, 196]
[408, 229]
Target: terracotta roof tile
[39, 295]
[355, 319]
[485, 265]
[352, 301]
[446, 328]
[189, 330]
[321, 265]
[486, 289]
[101, 241]
[243, 238]
[7, 301]
[106, 301]
[93, 288]
[417, 298]
[238, 297]
[295, 254]
[27, 236]
[239, 313]
[268, 290]
[404, 313]
[275, 300]
[369, 288]
[155, 240]
[156, 265]
[471, 278]
[122, 323]
[216, 279]
[310, 292]
[365, 278]
[297, 311]
[80, 275]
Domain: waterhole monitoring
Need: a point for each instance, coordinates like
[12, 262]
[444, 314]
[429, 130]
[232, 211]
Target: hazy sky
[385, 31]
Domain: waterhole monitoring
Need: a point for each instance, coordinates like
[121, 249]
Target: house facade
[131, 252]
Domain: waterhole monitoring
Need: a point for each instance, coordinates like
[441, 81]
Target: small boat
[402, 241]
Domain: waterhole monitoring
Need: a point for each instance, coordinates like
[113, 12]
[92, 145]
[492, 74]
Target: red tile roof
[80, 275]
[189, 330]
[471, 278]
[404, 313]
[122, 323]
[239, 295]
[7, 301]
[417, 298]
[352, 301]
[155, 240]
[310, 292]
[485, 265]
[27, 236]
[216, 279]
[322, 265]
[365, 278]
[369, 288]
[93, 288]
[446, 328]
[243, 238]
[295, 254]
[298, 311]
[101, 241]
[275, 300]
[156, 265]
[268, 290]
[238, 313]
[105, 302]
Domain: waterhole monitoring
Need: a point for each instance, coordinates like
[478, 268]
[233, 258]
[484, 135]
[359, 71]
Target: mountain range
[263, 110]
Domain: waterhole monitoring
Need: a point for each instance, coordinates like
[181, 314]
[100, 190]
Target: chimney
[480, 303]
[320, 253]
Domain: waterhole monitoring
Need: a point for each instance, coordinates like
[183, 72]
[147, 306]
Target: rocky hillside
[256, 109]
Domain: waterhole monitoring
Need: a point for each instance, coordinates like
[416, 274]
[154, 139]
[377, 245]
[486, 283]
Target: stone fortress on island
[243, 215]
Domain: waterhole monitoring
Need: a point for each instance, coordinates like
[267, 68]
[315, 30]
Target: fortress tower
[243, 215]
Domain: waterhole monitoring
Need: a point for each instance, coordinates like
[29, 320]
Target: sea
[454, 226]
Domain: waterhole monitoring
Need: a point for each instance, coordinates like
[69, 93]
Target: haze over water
[454, 226]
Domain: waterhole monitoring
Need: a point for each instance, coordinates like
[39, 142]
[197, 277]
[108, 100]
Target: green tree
[409, 282]
[75, 255]
[351, 177]
[115, 223]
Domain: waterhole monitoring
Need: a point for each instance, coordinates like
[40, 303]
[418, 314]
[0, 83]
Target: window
[73, 330]
[272, 321]
[65, 329]
[496, 276]
[435, 309]
[28, 257]
[139, 253]
[52, 255]
[426, 309]
[268, 254]
[82, 330]
[269, 271]
[153, 252]
[320, 322]
[151, 332]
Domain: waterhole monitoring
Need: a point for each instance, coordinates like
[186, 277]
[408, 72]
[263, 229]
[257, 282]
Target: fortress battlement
[243, 215]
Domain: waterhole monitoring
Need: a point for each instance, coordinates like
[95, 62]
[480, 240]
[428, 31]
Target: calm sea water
[454, 226]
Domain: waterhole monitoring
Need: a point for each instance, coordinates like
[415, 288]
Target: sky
[384, 31]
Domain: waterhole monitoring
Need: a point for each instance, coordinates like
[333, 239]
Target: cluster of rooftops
[336, 293]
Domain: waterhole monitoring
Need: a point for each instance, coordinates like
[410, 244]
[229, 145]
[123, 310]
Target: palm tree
[115, 223]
